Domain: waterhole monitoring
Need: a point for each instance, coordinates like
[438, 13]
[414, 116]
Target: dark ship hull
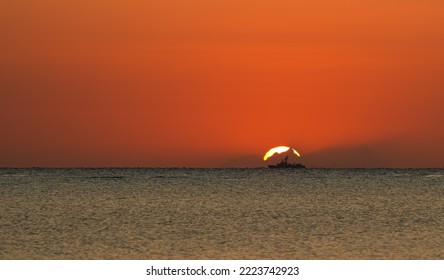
[284, 164]
[287, 165]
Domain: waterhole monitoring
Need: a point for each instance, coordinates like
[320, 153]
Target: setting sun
[279, 150]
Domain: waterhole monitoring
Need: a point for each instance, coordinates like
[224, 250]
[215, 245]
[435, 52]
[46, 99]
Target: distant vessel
[284, 164]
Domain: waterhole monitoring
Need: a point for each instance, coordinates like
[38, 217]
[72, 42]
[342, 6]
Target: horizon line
[185, 167]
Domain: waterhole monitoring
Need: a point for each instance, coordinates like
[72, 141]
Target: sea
[237, 214]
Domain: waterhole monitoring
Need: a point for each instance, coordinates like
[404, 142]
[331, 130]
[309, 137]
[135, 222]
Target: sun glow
[279, 150]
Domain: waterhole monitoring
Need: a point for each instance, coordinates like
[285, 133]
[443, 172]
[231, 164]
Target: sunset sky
[194, 83]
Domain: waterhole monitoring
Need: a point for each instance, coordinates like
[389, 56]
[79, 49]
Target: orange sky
[217, 83]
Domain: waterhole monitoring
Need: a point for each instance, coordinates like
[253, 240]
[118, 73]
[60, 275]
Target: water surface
[221, 214]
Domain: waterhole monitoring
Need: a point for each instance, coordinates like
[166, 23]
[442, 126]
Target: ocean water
[221, 214]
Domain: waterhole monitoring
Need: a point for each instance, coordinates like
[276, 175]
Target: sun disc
[279, 150]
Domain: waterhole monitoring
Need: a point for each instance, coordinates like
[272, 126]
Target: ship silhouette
[284, 164]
